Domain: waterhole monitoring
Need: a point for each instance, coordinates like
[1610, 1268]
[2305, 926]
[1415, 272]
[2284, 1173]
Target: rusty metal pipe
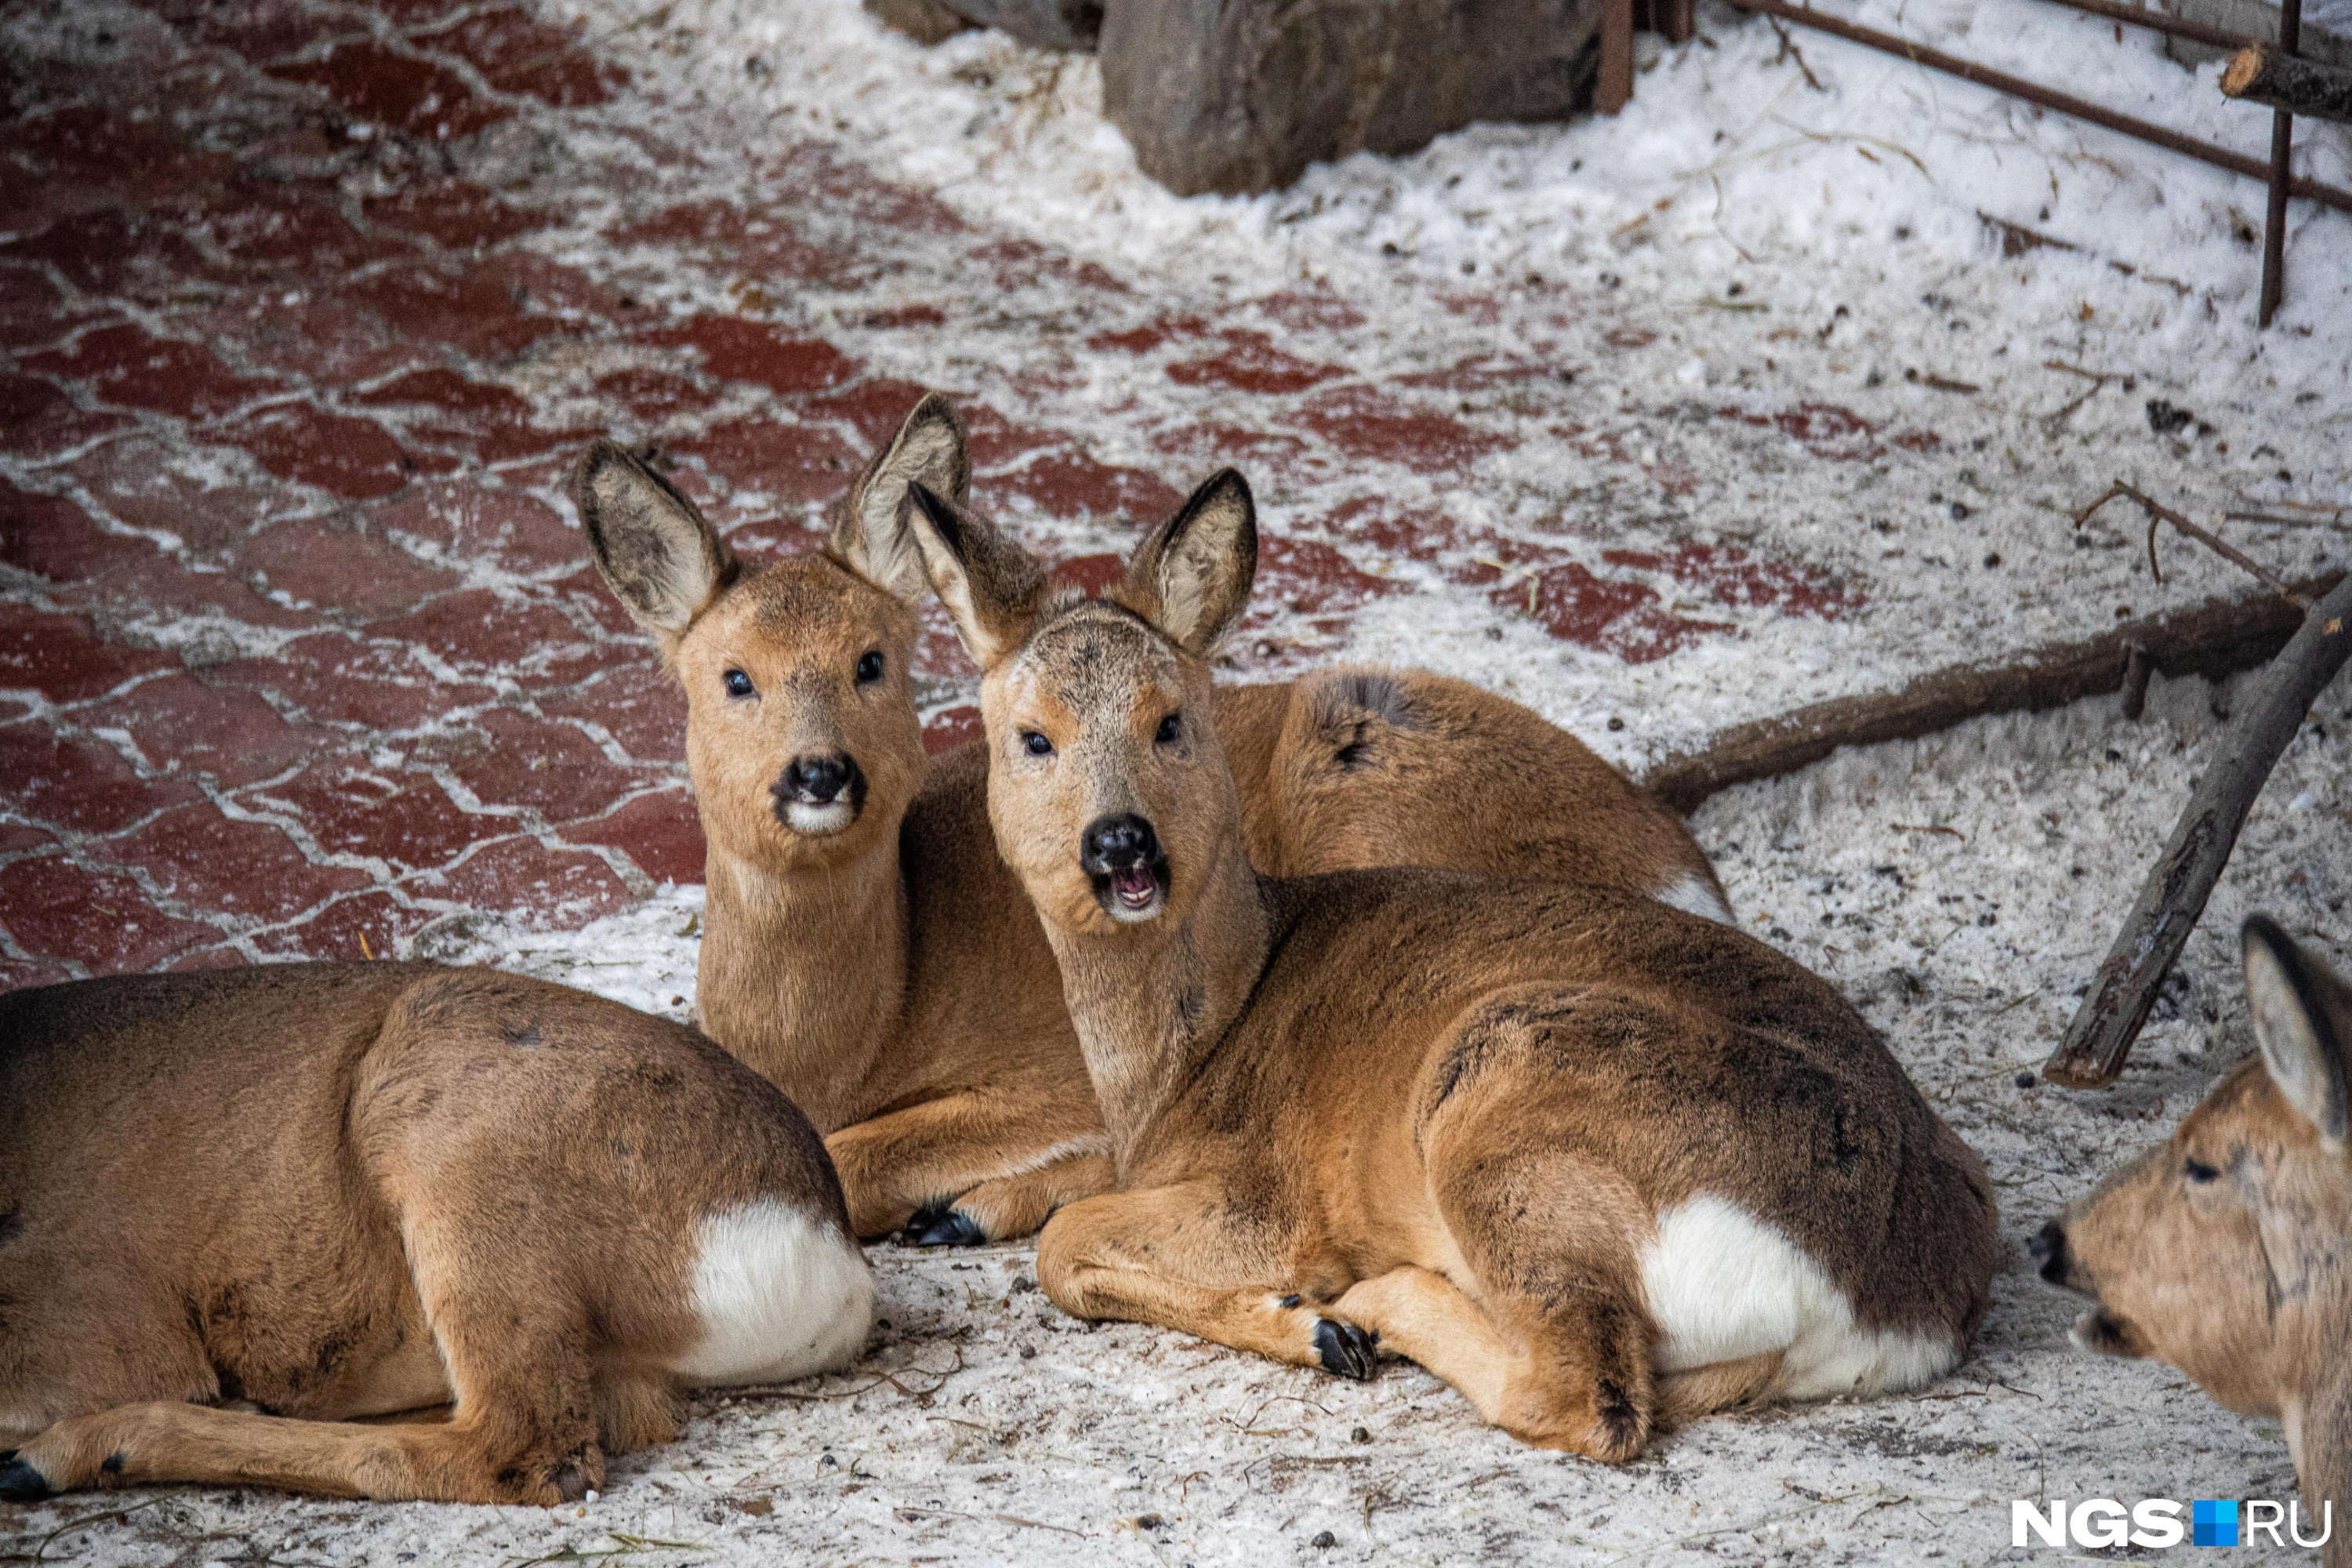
[2280, 176]
[2140, 16]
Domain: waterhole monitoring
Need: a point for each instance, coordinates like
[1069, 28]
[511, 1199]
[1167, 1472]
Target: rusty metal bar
[1614, 88]
[2282, 176]
[2033, 92]
[2140, 16]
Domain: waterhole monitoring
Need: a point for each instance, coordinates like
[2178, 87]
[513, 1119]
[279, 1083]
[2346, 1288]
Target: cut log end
[2245, 66]
[2260, 74]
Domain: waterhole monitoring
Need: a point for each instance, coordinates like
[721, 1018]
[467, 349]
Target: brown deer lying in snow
[1592, 1160]
[242, 1212]
[2227, 1250]
[863, 945]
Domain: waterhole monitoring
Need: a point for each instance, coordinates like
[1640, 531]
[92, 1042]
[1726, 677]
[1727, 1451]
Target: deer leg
[523, 1427]
[1165, 1255]
[1425, 1318]
[134, 1444]
[926, 1159]
[633, 1413]
[1017, 1205]
[1550, 1238]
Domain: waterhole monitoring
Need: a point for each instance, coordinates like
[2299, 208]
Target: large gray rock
[1241, 95]
[1047, 24]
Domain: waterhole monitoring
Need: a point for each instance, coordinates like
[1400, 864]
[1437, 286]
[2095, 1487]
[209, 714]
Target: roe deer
[1592, 1160]
[2227, 1250]
[863, 945]
[243, 1211]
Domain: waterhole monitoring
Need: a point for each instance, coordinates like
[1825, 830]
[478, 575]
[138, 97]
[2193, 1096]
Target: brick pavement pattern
[305, 305]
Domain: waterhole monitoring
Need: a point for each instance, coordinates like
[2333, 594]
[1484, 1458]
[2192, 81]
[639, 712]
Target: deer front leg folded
[1162, 1255]
[941, 1162]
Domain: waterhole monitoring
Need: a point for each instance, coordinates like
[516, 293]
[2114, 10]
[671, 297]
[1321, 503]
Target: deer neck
[804, 975]
[1150, 1002]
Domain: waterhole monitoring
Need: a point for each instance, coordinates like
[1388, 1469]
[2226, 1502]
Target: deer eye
[739, 684]
[1035, 745]
[1172, 728]
[869, 667]
[2198, 1171]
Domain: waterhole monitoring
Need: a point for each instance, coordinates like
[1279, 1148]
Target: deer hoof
[952, 1227]
[1347, 1349]
[19, 1482]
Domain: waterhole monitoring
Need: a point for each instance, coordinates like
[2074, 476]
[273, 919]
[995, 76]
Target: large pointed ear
[1191, 577]
[927, 450]
[661, 560]
[2296, 1025]
[992, 587]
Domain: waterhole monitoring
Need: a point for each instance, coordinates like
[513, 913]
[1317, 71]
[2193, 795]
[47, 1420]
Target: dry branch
[2214, 543]
[2101, 1036]
[2260, 74]
[2219, 637]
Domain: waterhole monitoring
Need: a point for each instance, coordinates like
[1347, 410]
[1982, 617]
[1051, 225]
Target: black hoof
[953, 1228]
[570, 1484]
[19, 1482]
[1347, 1349]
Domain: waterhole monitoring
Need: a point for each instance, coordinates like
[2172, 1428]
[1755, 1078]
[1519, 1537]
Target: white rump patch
[781, 1294]
[1722, 1285]
[1693, 895]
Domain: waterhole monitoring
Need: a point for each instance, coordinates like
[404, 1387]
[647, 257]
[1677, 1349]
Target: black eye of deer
[1171, 729]
[869, 667]
[1035, 745]
[2198, 1171]
[739, 684]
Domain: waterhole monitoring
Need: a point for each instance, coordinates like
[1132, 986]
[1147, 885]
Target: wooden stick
[2219, 546]
[2260, 74]
[2101, 1036]
[2217, 637]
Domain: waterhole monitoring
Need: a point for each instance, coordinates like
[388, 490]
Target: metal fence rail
[1674, 18]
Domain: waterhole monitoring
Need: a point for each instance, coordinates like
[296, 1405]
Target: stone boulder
[1239, 96]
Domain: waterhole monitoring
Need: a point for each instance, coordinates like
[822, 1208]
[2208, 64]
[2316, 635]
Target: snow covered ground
[1812, 261]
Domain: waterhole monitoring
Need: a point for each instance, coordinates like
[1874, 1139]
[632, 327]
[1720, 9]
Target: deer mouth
[1130, 894]
[812, 821]
[2102, 1332]
[822, 806]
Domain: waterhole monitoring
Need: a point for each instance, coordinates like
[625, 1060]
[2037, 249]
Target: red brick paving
[300, 653]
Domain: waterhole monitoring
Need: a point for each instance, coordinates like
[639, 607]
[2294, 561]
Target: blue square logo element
[2216, 1523]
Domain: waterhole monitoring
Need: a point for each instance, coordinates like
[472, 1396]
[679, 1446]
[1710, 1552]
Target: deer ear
[1191, 577]
[928, 450]
[657, 554]
[2295, 1025]
[991, 586]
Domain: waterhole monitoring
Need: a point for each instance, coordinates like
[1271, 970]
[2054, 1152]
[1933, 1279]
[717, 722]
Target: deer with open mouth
[1597, 1163]
[863, 945]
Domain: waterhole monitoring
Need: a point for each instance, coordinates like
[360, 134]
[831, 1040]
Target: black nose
[817, 779]
[1117, 844]
[2049, 1249]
